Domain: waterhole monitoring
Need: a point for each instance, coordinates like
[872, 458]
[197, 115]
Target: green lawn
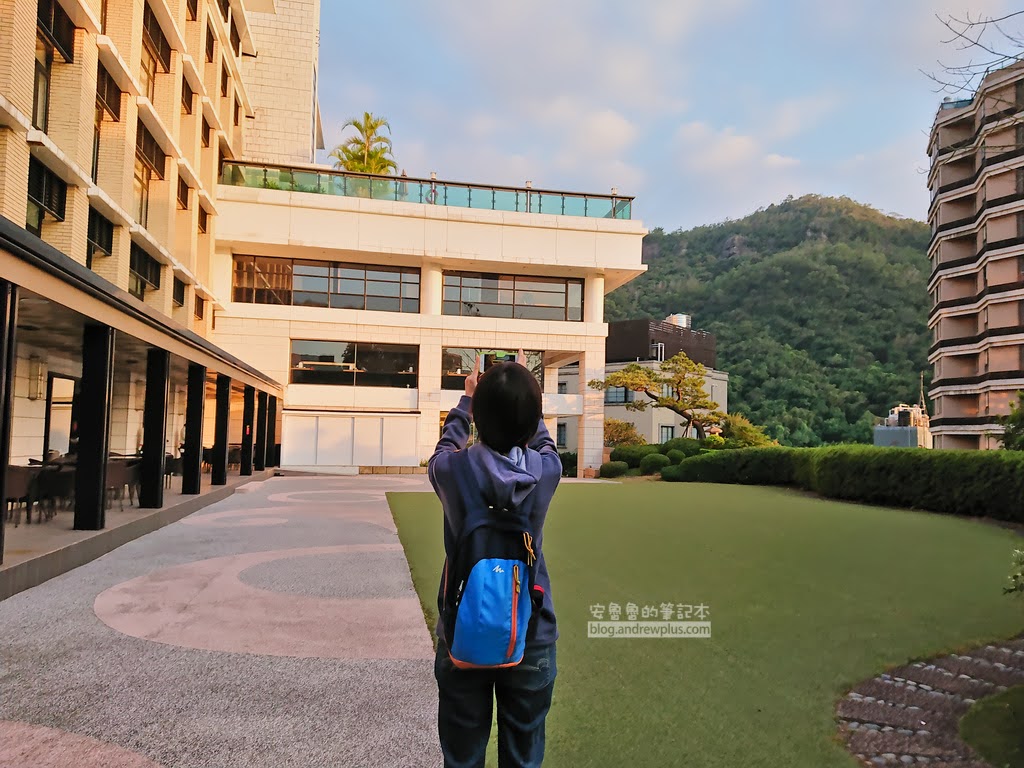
[995, 728]
[807, 597]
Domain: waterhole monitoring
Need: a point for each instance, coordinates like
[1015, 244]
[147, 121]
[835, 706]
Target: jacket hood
[504, 481]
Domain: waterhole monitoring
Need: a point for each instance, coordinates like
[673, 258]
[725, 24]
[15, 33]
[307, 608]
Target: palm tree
[368, 151]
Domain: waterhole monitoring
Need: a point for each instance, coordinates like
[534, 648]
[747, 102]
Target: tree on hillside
[368, 150]
[618, 432]
[1012, 438]
[736, 426]
[677, 384]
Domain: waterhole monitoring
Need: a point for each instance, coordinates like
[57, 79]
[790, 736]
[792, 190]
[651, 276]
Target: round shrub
[633, 454]
[687, 445]
[715, 442]
[676, 456]
[614, 469]
[653, 463]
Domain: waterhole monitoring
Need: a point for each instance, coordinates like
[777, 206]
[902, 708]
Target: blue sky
[703, 110]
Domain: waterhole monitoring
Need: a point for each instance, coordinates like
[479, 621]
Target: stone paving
[279, 627]
[911, 715]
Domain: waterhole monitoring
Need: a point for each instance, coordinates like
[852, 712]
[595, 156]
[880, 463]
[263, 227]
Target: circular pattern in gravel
[23, 744]
[345, 575]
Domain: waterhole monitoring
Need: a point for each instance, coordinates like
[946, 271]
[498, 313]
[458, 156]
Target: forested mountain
[819, 305]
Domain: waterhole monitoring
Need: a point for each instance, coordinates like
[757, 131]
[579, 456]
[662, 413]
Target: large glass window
[96, 129]
[41, 92]
[264, 280]
[475, 294]
[618, 396]
[147, 73]
[100, 240]
[47, 193]
[343, 363]
[457, 363]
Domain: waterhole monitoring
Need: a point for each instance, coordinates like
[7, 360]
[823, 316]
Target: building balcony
[325, 181]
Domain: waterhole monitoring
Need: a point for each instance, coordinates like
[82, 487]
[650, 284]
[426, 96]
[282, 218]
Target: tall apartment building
[177, 279]
[115, 118]
[977, 255]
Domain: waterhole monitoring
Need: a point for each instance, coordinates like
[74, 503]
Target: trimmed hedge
[676, 456]
[653, 463]
[633, 454]
[569, 463]
[687, 445]
[614, 469]
[972, 483]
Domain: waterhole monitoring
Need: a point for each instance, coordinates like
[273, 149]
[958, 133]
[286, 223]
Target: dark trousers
[465, 705]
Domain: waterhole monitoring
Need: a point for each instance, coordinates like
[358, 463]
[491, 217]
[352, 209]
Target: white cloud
[793, 117]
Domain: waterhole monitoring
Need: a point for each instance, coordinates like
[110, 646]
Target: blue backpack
[489, 586]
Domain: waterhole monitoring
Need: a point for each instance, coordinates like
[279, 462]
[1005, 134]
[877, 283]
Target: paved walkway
[276, 628]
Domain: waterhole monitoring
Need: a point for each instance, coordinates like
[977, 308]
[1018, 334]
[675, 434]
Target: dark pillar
[248, 417]
[260, 459]
[154, 429]
[195, 405]
[271, 431]
[94, 427]
[219, 463]
[8, 334]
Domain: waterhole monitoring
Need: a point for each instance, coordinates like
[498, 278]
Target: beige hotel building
[184, 294]
[977, 256]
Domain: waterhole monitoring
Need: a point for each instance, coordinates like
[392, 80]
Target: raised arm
[455, 433]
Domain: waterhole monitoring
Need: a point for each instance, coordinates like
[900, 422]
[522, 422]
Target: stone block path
[279, 627]
[911, 715]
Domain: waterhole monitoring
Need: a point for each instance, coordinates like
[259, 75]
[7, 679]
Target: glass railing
[426, 191]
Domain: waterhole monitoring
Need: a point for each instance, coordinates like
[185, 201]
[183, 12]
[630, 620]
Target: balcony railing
[427, 191]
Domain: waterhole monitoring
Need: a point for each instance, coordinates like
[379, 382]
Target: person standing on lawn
[514, 465]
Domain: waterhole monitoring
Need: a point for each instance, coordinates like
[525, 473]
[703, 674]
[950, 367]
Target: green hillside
[819, 304]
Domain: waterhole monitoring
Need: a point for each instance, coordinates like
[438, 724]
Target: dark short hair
[507, 406]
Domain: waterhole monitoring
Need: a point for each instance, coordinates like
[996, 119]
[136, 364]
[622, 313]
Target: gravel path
[279, 627]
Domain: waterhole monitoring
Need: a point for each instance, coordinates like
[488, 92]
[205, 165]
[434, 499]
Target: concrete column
[8, 362]
[219, 462]
[248, 417]
[431, 288]
[192, 457]
[154, 440]
[593, 300]
[260, 457]
[590, 429]
[94, 427]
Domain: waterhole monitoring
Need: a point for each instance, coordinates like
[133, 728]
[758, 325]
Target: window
[264, 280]
[458, 362]
[204, 220]
[47, 193]
[147, 73]
[223, 79]
[563, 387]
[179, 293]
[238, 111]
[153, 38]
[41, 89]
[96, 130]
[223, 8]
[206, 133]
[210, 42]
[192, 6]
[560, 431]
[187, 96]
[666, 433]
[107, 93]
[149, 151]
[143, 273]
[200, 307]
[342, 363]
[618, 396]
[56, 26]
[182, 194]
[101, 237]
[236, 40]
[140, 187]
[490, 295]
